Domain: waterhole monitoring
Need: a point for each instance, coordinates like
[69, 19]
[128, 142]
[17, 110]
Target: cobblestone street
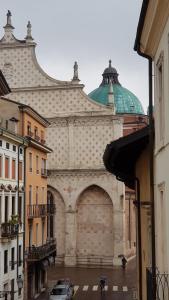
[120, 285]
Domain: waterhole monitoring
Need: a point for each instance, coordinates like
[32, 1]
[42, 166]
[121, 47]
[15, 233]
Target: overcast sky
[90, 31]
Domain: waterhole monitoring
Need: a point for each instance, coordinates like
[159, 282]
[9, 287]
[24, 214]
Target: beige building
[90, 225]
[152, 41]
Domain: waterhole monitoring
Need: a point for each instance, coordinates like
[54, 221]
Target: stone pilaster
[70, 251]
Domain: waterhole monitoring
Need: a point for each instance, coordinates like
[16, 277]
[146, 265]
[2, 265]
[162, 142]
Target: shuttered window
[20, 170]
[6, 167]
[0, 166]
[13, 169]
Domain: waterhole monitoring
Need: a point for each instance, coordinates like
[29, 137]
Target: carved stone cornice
[78, 173]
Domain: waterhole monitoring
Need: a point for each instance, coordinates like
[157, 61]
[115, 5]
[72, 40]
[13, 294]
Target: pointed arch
[55, 197]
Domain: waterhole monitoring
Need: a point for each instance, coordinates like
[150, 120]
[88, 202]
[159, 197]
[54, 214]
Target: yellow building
[128, 159]
[40, 246]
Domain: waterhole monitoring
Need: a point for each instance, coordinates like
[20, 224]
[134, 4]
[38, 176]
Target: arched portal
[94, 227]
[57, 221]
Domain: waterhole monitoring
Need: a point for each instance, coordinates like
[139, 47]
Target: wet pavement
[121, 284]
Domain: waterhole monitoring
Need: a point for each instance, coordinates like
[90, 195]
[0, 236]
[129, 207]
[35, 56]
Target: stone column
[70, 242]
[119, 238]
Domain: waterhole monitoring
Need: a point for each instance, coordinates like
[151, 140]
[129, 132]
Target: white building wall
[7, 244]
[162, 153]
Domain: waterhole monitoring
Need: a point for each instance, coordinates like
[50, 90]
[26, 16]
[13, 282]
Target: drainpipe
[151, 159]
[138, 204]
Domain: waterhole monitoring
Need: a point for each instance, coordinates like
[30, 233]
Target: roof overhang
[39, 146]
[153, 18]
[121, 155]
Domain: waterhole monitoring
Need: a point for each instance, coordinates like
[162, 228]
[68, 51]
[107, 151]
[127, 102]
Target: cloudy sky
[90, 31]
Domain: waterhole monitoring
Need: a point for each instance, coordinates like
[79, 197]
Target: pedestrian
[124, 261]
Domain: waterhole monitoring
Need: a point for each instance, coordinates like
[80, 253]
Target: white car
[61, 292]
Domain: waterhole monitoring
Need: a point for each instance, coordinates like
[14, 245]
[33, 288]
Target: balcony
[162, 285]
[30, 133]
[44, 173]
[43, 141]
[37, 138]
[36, 210]
[9, 230]
[40, 252]
[40, 210]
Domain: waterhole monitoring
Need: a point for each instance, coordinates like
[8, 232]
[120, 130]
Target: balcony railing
[43, 141]
[9, 230]
[44, 173]
[40, 210]
[37, 138]
[36, 210]
[162, 285]
[40, 252]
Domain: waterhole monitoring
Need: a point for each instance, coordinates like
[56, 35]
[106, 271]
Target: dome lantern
[125, 102]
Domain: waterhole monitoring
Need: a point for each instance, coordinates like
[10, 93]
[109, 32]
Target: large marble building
[91, 224]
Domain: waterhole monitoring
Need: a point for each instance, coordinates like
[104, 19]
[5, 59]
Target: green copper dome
[125, 101]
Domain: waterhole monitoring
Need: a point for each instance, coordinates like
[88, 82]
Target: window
[14, 148]
[37, 234]
[30, 194]
[43, 230]
[6, 289]
[13, 205]
[6, 208]
[30, 235]
[13, 168]
[6, 167]
[37, 164]
[20, 171]
[37, 191]
[29, 129]
[43, 194]
[0, 209]
[5, 261]
[12, 258]
[20, 209]
[12, 289]
[30, 162]
[0, 166]
[20, 255]
[7, 145]
[160, 88]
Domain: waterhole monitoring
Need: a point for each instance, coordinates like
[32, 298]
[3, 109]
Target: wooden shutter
[13, 168]
[6, 167]
[20, 170]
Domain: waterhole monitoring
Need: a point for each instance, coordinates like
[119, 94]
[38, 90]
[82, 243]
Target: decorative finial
[110, 63]
[29, 31]
[75, 76]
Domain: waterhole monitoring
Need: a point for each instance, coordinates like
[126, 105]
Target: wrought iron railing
[162, 285]
[36, 210]
[40, 210]
[9, 230]
[44, 173]
[37, 253]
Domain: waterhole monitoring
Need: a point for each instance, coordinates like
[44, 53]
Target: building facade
[11, 213]
[90, 224]
[39, 243]
[152, 42]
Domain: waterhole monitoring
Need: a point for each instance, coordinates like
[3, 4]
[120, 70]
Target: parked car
[63, 290]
